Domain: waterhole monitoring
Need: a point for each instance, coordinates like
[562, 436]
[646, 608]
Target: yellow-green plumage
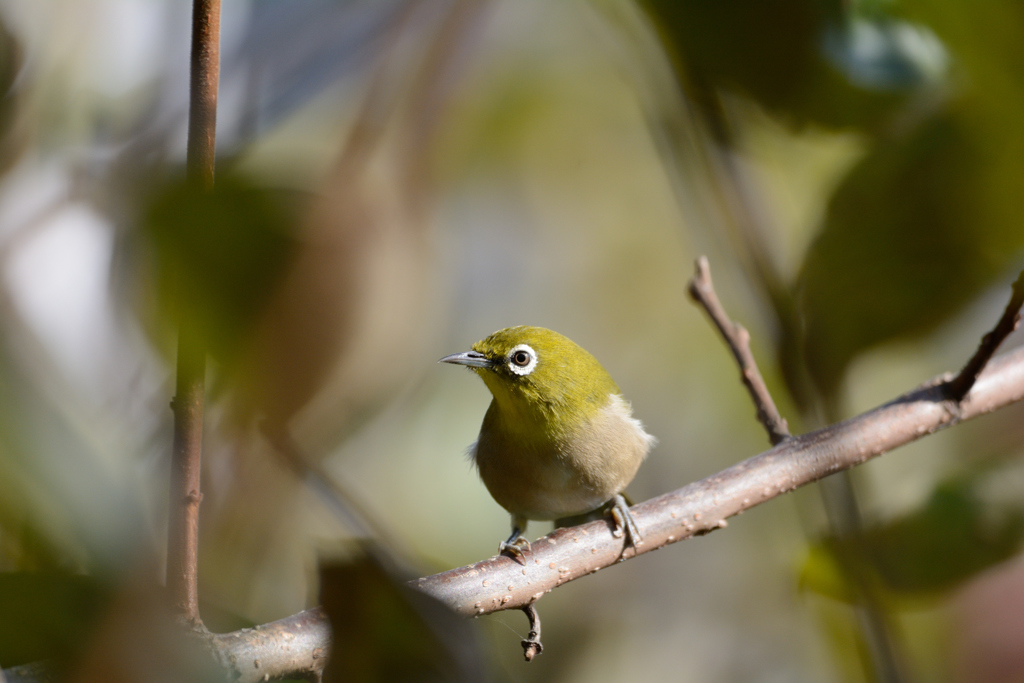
[558, 439]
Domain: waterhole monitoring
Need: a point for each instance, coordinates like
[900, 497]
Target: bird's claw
[514, 547]
[624, 524]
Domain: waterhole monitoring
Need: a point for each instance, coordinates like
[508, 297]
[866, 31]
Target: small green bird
[558, 441]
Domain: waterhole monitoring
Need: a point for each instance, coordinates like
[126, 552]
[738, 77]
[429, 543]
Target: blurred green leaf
[219, 255]
[46, 615]
[12, 138]
[880, 53]
[386, 631]
[898, 253]
[951, 538]
[822, 573]
[831, 63]
[911, 236]
[62, 505]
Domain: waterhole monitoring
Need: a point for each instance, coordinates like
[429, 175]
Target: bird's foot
[514, 547]
[624, 524]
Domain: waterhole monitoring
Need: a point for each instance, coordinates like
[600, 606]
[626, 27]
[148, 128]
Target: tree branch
[531, 643]
[963, 382]
[289, 648]
[702, 291]
[293, 647]
[500, 583]
[185, 495]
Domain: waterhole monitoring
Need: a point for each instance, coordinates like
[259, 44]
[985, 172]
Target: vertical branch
[204, 76]
[185, 496]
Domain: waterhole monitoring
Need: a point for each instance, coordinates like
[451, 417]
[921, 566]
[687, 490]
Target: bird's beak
[473, 359]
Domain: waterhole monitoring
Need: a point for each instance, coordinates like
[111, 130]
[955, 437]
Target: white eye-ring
[522, 360]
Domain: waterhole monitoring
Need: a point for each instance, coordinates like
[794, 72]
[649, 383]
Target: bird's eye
[522, 360]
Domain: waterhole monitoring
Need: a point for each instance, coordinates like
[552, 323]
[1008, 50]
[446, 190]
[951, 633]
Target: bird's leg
[516, 541]
[624, 521]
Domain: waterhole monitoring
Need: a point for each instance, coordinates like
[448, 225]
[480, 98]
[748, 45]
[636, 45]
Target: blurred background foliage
[397, 180]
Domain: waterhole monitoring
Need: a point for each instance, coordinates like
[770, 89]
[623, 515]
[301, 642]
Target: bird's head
[533, 371]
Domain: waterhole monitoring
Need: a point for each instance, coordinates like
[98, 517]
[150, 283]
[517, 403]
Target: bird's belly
[539, 484]
[565, 477]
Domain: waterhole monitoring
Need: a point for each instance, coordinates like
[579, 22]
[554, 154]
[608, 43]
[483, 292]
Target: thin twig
[962, 383]
[185, 495]
[702, 291]
[531, 644]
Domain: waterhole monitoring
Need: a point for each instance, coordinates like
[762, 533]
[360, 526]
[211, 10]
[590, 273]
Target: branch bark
[185, 494]
[293, 647]
[204, 80]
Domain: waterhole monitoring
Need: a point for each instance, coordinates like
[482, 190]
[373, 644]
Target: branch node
[531, 644]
